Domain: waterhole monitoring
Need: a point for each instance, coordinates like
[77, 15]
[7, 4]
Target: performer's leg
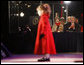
[47, 56]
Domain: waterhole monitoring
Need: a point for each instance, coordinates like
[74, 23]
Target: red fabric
[46, 45]
[61, 12]
[58, 23]
[61, 9]
[61, 2]
[81, 28]
[82, 15]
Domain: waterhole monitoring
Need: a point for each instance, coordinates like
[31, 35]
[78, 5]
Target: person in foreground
[44, 44]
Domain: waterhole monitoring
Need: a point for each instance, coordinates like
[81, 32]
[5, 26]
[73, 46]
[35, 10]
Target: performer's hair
[45, 7]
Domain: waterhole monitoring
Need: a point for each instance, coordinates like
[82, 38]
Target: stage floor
[60, 58]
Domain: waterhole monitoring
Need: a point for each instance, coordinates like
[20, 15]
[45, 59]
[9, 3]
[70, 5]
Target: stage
[60, 58]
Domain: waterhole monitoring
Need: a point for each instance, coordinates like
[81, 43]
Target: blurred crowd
[60, 24]
[71, 24]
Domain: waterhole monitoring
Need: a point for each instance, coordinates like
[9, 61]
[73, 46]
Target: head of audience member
[76, 20]
[57, 20]
[73, 19]
[62, 20]
[69, 19]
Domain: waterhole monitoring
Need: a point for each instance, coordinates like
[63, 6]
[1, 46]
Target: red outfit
[45, 45]
[58, 23]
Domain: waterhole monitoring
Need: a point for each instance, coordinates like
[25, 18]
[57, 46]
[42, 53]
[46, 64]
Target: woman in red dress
[44, 44]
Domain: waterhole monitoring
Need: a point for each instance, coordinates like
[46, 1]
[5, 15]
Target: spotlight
[17, 14]
[67, 2]
[28, 6]
[62, 6]
[65, 10]
[21, 14]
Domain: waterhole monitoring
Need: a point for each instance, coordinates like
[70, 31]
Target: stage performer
[44, 44]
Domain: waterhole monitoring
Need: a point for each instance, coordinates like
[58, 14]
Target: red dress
[46, 45]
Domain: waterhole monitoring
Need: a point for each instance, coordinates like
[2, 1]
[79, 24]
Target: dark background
[24, 43]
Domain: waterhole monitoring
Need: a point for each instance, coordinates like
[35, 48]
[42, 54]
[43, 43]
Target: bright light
[22, 14]
[67, 2]
[62, 6]
[28, 6]
[17, 14]
[65, 10]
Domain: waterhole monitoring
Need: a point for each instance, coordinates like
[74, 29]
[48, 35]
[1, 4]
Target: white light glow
[28, 5]
[65, 10]
[17, 14]
[67, 2]
[62, 6]
[22, 14]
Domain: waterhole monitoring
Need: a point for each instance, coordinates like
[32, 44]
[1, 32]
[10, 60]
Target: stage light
[63, 7]
[21, 14]
[28, 6]
[67, 2]
[17, 14]
[65, 10]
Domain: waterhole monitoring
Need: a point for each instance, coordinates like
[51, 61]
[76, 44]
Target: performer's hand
[41, 36]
